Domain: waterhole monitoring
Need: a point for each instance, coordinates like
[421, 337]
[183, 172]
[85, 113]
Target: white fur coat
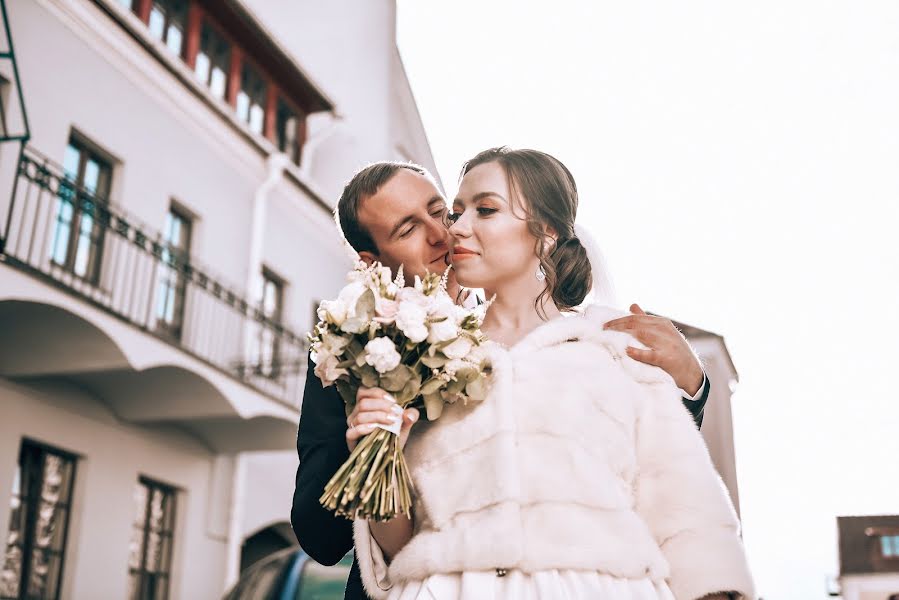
[580, 458]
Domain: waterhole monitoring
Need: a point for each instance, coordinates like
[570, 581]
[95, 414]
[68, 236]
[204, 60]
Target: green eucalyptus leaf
[434, 362]
[476, 389]
[431, 386]
[396, 379]
[369, 376]
[433, 406]
[365, 306]
[467, 374]
[453, 388]
[348, 393]
[412, 388]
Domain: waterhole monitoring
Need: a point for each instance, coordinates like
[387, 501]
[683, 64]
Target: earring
[540, 274]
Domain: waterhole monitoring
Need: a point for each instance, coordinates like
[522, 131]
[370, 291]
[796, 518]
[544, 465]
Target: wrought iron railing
[65, 234]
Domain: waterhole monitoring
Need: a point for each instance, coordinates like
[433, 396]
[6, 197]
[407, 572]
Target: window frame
[177, 279]
[40, 450]
[271, 370]
[296, 155]
[268, 86]
[198, 15]
[167, 21]
[203, 20]
[100, 198]
[141, 572]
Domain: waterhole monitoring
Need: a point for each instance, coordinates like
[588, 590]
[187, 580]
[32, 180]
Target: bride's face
[491, 243]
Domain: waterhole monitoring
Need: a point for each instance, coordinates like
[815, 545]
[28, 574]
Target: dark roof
[860, 544]
[243, 24]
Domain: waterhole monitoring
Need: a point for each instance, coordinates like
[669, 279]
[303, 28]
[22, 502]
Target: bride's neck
[514, 311]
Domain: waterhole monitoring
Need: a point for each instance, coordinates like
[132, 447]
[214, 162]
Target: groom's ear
[367, 257]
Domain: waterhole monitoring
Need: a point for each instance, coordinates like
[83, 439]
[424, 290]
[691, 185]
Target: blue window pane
[174, 39]
[157, 22]
[886, 545]
[71, 161]
[59, 245]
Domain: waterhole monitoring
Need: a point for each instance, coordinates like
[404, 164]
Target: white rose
[443, 331]
[410, 319]
[382, 355]
[332, 311]
[408, 294]
[458, 349]
[477, 355]
[327, 370]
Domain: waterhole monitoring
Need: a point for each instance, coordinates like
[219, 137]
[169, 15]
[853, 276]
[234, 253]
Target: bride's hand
[375, 406]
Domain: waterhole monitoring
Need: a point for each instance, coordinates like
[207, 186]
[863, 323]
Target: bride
[581, 475]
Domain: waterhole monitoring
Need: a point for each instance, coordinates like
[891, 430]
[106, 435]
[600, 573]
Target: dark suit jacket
[321, 444]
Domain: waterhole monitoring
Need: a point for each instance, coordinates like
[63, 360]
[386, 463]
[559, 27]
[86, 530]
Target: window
[4, 104]
[172, 279]
[889, 546]
[272, 306]
[78, 237]
[213, 61]
[251, 98]
[150, 550]
[39, 517]
[287, 129]
[168, 22]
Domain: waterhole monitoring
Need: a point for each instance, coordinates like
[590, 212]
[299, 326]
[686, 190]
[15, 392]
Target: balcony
[68, 238]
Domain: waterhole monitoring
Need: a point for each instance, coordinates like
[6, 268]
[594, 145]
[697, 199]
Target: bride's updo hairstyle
[547, 193]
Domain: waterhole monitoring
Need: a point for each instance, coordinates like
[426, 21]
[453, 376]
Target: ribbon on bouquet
[397, 424]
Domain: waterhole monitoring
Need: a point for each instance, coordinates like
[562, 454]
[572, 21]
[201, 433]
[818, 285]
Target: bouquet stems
[373, 483]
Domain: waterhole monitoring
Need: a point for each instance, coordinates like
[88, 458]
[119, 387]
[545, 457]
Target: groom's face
[405, 219]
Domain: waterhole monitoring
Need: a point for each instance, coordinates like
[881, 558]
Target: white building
[869, 557]
[717, 423]
[166, 234]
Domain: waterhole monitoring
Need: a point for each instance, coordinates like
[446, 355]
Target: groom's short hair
[366, 184]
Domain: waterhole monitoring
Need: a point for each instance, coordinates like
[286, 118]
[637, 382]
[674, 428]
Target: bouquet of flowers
[413, 342]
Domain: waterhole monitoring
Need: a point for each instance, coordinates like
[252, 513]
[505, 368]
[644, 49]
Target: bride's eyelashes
[483, 211]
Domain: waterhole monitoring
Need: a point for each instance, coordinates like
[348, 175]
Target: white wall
[79, 70]
[869, 587]
[112, 457]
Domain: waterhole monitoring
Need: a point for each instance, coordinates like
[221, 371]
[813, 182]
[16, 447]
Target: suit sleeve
[321, 446]
[683, 501]
[697, 407]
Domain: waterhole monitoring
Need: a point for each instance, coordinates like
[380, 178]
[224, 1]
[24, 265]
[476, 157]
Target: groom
[394, 213]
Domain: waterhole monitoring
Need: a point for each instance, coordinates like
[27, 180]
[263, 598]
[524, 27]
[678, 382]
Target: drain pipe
[274, 165]
[274, 169]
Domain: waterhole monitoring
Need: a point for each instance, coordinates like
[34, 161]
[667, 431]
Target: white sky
[739, 164]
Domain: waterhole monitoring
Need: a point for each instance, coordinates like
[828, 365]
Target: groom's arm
[322, 448]
[696, 403]
[667, 349]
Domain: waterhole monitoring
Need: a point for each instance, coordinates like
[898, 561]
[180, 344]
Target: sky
[739, 165]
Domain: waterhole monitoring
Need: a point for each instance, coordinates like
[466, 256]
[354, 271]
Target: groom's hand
[666, 347]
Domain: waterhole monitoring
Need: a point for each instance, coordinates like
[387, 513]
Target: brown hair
[548, 194]
[365, 184]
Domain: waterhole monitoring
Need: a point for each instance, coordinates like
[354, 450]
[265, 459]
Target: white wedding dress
[516, 585]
